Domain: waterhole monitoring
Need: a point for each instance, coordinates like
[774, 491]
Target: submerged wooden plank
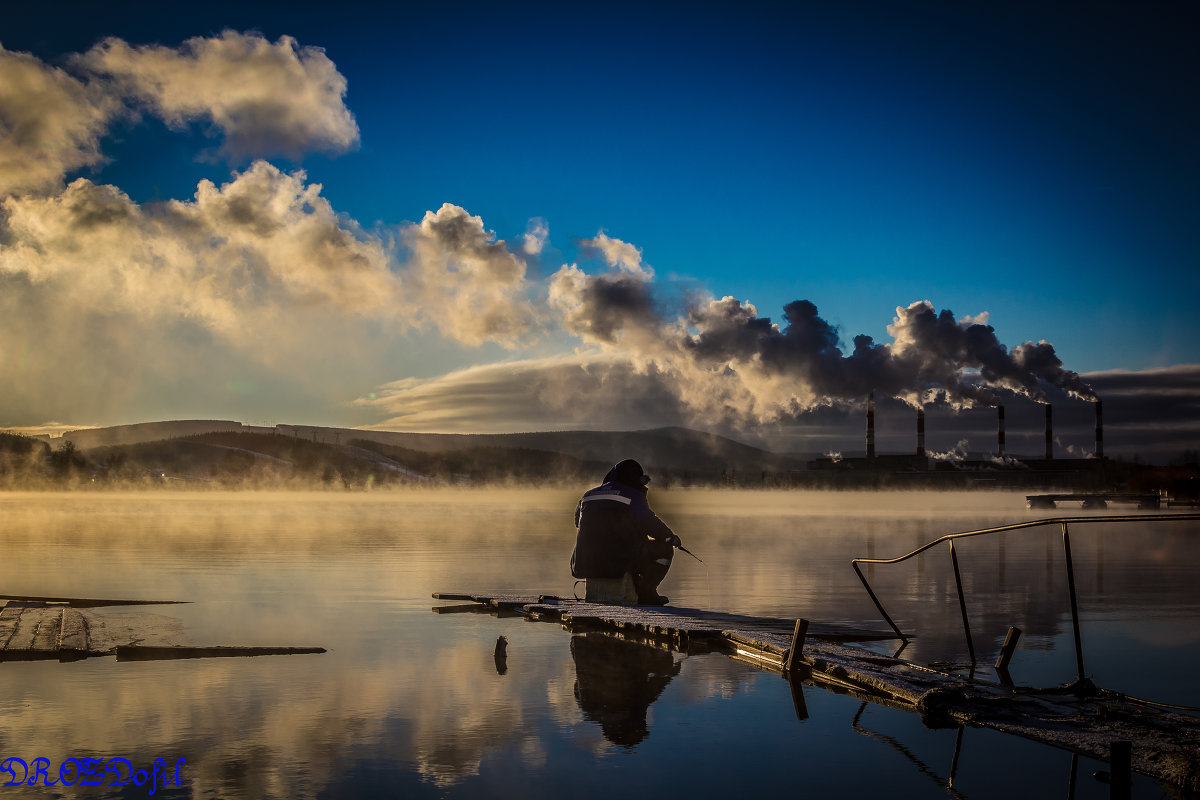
[147, 653]
[33, 631]
[86, 602]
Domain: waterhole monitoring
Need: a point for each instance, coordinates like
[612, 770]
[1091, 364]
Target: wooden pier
[1149, 501]
[1080, 719]
[44, 628]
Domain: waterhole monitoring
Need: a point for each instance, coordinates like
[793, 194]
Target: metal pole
[1074, 603]
[962, 603]
[875, 599]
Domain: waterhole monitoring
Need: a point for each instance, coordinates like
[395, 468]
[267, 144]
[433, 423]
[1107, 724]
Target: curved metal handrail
[951, 537]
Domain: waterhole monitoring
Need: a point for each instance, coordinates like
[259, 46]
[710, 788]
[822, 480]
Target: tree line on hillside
[240, 460]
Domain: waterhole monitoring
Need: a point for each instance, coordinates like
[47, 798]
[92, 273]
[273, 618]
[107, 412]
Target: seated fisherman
[618, 533]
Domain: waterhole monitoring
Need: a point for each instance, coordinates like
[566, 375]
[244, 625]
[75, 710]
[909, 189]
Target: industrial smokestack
[921, 432]
[1099, 429]
[871, 424]
[1049, 432]
[1000, 430]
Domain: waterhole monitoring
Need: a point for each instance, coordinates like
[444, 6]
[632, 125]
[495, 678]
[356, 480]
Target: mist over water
[408, 702]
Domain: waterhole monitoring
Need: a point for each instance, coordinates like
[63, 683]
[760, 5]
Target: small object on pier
[611, 591]
[501, 654]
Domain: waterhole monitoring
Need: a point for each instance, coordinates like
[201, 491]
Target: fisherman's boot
[655, 564]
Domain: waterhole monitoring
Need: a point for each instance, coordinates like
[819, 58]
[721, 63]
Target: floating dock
[1148, 501]
[44, 628]
[1080, 719]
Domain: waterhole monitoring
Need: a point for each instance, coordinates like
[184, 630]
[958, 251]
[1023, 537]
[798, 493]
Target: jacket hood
[630, 473]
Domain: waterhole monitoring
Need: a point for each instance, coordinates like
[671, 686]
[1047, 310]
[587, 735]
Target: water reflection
[617, 680]
[408, 703]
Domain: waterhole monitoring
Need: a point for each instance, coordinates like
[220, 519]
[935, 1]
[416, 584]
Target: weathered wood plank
[32, 627]
[73, 635]
[86, 602]
[33, 630]
[147, 653]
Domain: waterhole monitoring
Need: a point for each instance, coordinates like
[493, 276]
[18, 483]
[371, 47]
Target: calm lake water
[408, 703]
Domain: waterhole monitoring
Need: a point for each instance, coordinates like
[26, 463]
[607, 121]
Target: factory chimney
[871, 424]
[921, 432]
[1000, 431]
[1099, 429]
[1049, 432]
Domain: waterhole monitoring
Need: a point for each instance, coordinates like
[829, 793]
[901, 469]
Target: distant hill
[228, 452]
[89, 438]
[674, 451]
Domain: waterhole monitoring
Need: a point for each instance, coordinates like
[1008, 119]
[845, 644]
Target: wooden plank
[9, 617]
[33, 628]
[149, 653]
[73, 635]
[459, 609]
[86, 602]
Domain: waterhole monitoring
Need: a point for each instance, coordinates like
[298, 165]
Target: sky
[482, 217]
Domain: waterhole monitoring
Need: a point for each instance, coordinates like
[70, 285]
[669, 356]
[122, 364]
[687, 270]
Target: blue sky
[1035, 165]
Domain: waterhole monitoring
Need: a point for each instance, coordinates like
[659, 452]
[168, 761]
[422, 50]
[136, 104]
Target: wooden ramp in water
[46, 628]
[1081, 719]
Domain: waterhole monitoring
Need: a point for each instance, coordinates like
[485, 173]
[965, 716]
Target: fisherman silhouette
[616, 681]
[618, 533]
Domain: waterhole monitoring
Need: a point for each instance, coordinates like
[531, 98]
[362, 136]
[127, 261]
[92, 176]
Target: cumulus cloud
[113, 301]
[619, 254]
[266, 98]
[537, 232]
[233, 258]
[468, 282]
[50, 123]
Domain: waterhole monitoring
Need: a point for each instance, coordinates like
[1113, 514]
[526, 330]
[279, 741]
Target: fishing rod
[689, 552]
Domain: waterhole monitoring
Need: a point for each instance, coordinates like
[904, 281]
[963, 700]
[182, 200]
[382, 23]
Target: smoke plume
[729, 362]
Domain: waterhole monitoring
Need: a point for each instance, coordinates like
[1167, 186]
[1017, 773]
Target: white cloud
[50, 123]
[233, 259]
[466, 281]
[619, 254]
[107, 305]
[537, 232]
[267, 98]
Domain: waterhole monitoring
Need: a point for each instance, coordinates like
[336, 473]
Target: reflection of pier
[1165, 744]
[1090, 500]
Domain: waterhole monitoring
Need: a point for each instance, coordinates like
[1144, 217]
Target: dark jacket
[614, 522]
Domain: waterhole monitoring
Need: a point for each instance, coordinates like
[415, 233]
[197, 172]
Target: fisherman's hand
[674, 541]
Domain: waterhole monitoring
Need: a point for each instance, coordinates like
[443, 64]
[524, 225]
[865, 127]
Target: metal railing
[962, 603]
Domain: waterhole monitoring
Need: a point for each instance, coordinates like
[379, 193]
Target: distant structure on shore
[919, 461]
